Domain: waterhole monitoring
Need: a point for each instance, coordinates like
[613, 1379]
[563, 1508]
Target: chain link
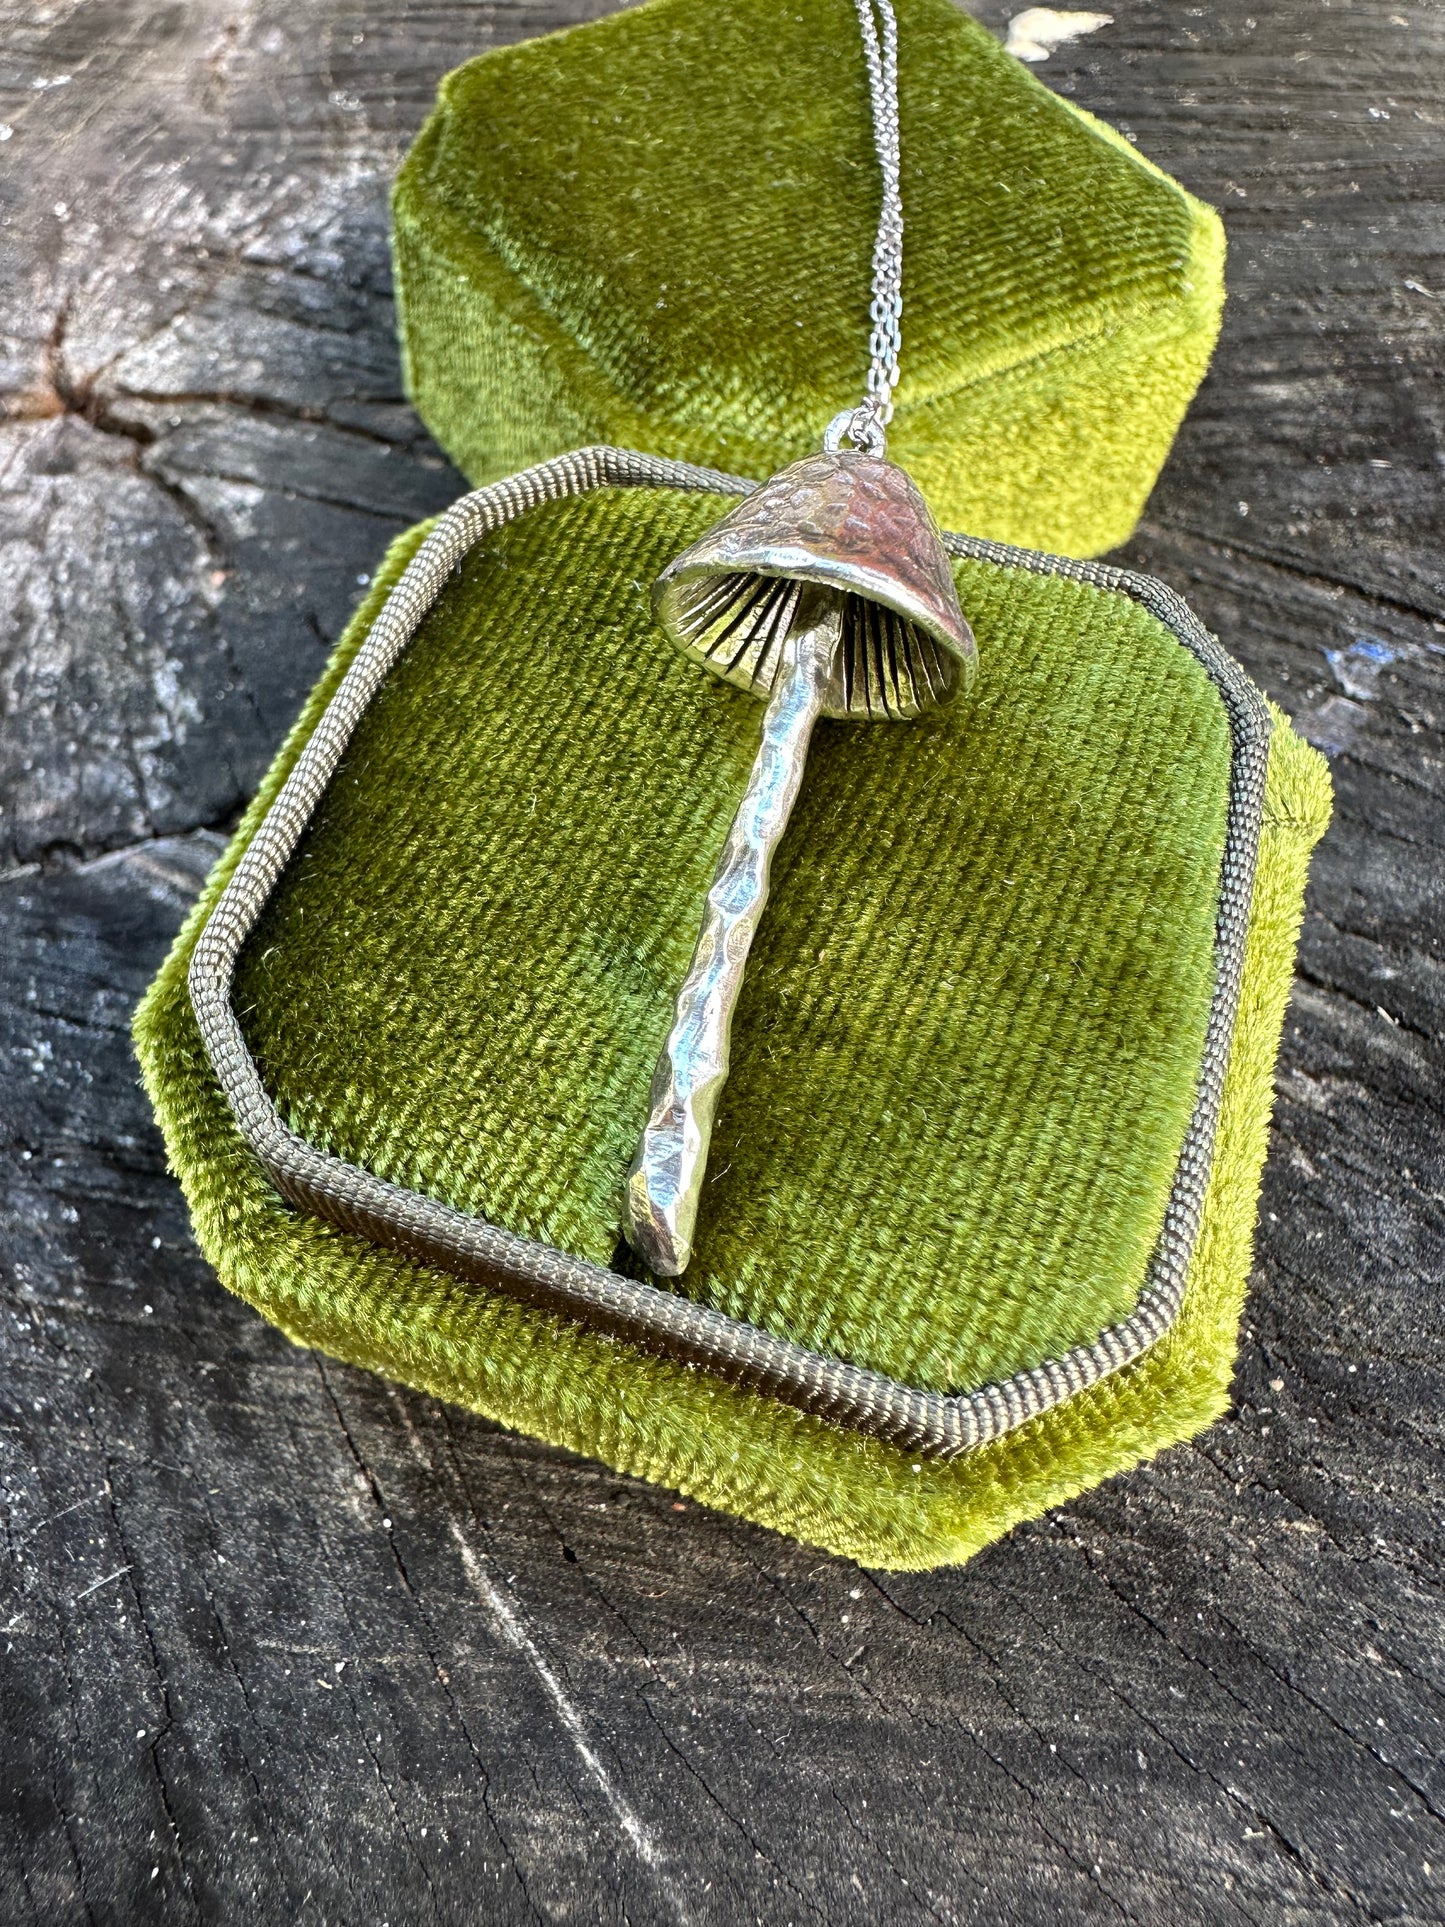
[866, 425]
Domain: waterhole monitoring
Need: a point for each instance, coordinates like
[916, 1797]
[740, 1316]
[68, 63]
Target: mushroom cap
[849, 522]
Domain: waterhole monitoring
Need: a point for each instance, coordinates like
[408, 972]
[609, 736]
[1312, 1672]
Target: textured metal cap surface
[844, 521]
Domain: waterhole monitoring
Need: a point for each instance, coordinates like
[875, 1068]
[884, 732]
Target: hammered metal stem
[664, 1185]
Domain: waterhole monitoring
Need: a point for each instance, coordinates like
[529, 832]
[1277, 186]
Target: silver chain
[866, 425]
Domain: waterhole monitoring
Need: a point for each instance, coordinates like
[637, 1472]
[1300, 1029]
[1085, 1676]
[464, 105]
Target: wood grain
[284, 1642]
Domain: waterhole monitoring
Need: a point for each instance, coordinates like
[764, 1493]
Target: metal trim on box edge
[661, 1321]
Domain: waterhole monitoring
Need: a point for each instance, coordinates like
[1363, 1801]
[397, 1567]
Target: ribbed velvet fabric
[963, 1064]
[655, 231]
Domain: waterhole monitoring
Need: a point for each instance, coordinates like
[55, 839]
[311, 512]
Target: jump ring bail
[860, 426]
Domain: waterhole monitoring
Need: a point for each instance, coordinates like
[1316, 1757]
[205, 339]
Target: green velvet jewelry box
[990, 1149]
[655, 231]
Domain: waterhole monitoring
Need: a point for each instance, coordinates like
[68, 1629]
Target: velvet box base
[964, 1064]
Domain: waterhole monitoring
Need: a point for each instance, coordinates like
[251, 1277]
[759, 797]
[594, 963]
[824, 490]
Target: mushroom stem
[664, 1184]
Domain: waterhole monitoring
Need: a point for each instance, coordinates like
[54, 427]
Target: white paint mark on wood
[508, 1624]
[1332, 725]
[98, 1584]
[1357, 669]
[1036, 32]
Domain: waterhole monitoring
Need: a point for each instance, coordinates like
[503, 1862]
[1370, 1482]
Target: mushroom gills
[888, 668]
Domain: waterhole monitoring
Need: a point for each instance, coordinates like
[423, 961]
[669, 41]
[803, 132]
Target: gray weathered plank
[284, 1641]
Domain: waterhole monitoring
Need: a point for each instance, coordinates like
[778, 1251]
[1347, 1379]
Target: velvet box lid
[655, 231]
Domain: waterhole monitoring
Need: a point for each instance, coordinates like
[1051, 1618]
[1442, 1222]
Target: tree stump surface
[282, 1641]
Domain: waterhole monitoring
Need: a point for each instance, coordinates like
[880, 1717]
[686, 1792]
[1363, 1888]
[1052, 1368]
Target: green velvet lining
[965, 1056]
[655, 231]
[946, 1143]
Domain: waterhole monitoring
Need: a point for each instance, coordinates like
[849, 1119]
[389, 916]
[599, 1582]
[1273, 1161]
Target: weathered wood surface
[284, 1642]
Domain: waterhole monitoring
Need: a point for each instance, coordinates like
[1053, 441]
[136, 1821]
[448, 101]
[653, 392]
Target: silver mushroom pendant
[827, 592]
